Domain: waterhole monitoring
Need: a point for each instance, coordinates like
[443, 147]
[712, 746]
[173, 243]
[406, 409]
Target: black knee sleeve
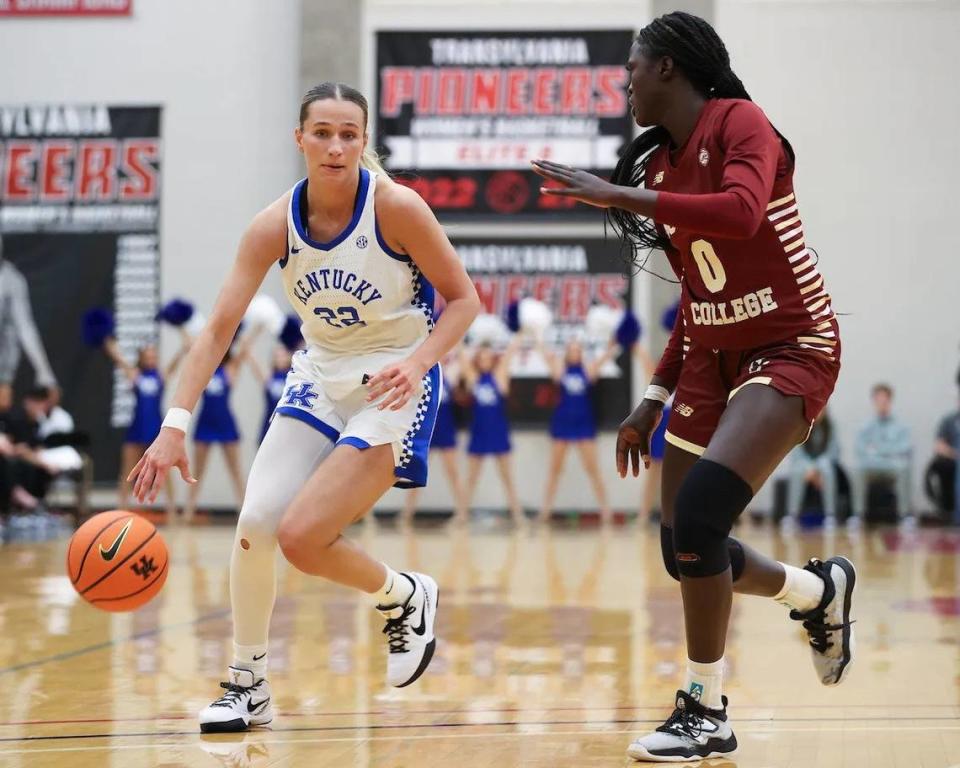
[669, 553]
[710, 499]
[737, 559]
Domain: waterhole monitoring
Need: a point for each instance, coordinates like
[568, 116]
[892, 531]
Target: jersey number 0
[711, 270]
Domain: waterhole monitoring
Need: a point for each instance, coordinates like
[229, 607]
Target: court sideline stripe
[501, 724]
[428, 736]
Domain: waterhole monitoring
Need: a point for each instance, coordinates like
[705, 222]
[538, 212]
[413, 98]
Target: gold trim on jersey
[755, 380]
[686, 445]
[781, 201]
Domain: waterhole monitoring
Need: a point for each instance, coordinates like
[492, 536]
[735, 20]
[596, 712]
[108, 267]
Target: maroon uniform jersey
[726, 200]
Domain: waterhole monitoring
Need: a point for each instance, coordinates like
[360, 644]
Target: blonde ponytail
[371, 161]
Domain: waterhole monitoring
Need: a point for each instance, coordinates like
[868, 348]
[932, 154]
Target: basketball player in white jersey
[359, 256]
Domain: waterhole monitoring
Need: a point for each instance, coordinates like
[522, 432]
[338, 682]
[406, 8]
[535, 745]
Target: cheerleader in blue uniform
[147, 381]
[573, 421]
[216, 426]
[444, 443]
[488, 380]
[273, 384]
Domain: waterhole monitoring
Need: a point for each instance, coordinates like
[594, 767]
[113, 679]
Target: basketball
[117, 561]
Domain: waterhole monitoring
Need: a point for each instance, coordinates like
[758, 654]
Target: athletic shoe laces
[687, 717]
[234, 692]
[815, 624]
[396, 630]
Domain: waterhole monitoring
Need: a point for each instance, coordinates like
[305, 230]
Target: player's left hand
[398, 382]
[577, 184]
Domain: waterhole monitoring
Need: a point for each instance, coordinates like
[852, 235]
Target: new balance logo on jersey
[302, 395]
[658, 179]
[683, 409]
[704, 156]
[337, 279]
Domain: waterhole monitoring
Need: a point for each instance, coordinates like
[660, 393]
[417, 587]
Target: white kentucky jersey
[357, 299]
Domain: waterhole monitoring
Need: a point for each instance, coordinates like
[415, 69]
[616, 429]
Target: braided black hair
[698, 52]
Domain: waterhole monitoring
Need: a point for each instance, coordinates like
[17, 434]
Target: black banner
[79, 216]
[569, 275]
[460, 115]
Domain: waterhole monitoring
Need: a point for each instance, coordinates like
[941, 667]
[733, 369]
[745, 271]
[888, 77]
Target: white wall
[228, 82]
[867, 94]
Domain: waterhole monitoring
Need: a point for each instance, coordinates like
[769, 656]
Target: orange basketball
[117, 561]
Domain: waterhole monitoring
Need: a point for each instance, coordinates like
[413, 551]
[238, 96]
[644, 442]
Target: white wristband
[660, 394]
[177, 418]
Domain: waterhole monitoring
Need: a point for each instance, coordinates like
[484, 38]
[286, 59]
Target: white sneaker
[246, 703]
[409, 631]
[691, 733]
[832, 640]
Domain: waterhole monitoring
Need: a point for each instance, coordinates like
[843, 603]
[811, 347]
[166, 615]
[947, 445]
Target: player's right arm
[263, 243]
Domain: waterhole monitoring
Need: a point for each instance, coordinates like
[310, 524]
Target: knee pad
[738, 559]
[668, 552]
[710, 499]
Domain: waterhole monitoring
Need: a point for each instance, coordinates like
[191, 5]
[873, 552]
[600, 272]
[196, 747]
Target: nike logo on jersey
[336, 279]
[108, 554]
[295, 251]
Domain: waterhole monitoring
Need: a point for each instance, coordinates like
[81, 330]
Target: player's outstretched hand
[398, 382]
[633, 439]
[164, 453]
[579, 185]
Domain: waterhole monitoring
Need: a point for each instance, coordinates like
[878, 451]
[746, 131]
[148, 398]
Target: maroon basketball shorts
[806, 367]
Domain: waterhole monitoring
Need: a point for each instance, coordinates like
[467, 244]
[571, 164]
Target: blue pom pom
[175, 312]
[629, 330]
[96, 326]
[290, 335]
[670, 316]
[513, 317]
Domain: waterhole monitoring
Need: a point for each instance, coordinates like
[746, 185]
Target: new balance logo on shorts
[683, 409]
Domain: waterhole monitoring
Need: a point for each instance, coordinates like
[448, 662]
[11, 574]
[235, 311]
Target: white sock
[252, 657]
[705, 682]
[396, 589]
[801, 591]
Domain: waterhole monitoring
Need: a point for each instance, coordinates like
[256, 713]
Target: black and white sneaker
[832, 641]
[246, 703]
[409, 631]
[692, 732]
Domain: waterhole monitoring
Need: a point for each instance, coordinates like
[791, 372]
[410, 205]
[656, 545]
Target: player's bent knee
[709, 501]
[668, 552]
[257, 525]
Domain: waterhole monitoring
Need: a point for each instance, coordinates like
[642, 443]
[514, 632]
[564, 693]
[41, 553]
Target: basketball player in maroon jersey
[753, 357]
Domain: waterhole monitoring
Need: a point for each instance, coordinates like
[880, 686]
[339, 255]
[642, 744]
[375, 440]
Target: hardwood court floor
[557, 645]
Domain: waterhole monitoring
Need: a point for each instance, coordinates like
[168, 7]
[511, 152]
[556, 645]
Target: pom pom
[513, 316]
[534, 316]
[264, 312]
[195, 324]
[176, 312]
[669, 318]
[290, 336]
[487, 329]
[602, 320]
[629, 330]
[96, 326]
